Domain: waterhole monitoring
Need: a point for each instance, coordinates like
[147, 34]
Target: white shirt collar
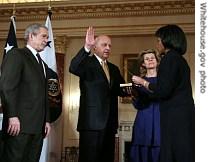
[99, 59]
[32, 50]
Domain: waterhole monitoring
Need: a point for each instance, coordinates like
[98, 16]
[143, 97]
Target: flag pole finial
[14, 10]
[49, 6]
[49, 9]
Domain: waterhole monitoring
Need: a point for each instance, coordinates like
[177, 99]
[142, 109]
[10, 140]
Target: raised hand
[90, 40]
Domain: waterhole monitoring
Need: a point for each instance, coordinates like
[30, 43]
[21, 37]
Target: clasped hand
[138, 81]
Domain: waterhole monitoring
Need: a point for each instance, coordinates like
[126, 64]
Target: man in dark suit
[98, 113]
[25, 99]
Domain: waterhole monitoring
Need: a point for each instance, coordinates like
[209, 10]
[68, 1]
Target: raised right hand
[90, 40]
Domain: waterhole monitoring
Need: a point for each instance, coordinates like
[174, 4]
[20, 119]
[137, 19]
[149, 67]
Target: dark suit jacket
[173, 86]
[177, 112]
[24, 91]
[99, 99]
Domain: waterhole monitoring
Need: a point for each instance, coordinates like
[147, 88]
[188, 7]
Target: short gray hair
[34, 29]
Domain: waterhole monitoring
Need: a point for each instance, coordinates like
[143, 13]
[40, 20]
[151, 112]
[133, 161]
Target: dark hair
[172, 37]
[142, 69]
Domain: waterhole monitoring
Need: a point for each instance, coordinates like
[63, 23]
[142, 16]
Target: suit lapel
[110, 73]
[100, 68]
[34, 62]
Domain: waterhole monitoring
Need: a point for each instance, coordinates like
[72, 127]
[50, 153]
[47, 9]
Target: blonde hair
[142, 69]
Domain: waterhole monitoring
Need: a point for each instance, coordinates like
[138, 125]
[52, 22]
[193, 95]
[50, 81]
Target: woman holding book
[145, 145]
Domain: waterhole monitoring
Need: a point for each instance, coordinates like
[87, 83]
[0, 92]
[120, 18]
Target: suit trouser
[97, 146]
[22, 148]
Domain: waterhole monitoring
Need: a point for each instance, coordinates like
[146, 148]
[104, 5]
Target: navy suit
[98, 112]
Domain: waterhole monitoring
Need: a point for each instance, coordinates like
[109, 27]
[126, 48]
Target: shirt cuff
[86, 49]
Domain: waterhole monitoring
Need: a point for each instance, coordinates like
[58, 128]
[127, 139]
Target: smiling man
[25, 98]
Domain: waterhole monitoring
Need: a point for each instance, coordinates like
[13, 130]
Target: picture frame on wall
[130, 67]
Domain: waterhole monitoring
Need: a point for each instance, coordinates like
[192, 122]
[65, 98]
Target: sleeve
[76, 67]
[121, 91]
[10, 79]
[48, 117]
[48, 72]
[167, 77]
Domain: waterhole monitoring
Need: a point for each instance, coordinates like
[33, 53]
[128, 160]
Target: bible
[127, 88]
[126, 85]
